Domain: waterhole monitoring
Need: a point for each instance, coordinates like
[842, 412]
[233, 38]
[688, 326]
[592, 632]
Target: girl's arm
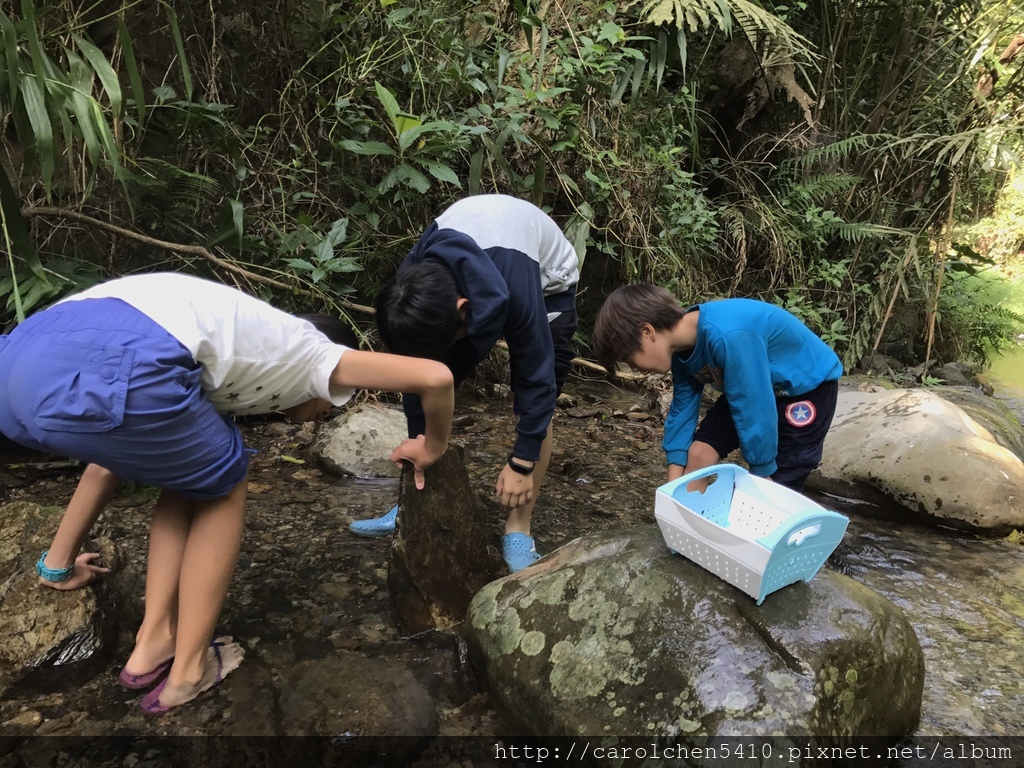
[429, 379]
[91, 496]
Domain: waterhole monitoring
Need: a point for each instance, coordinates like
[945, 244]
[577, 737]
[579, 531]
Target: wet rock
[43, 627]
[362, 704]
[954, 374]
[251, 693]
[583, 412]
[441, 554]
[565, 401]
[613, 635]
[360, 440]
[915, 451]
[879, 364]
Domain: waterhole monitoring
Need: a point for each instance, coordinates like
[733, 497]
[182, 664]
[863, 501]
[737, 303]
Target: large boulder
[612, 634]
[443, 551]
[917, 453]
[360, 440]
[43, 627]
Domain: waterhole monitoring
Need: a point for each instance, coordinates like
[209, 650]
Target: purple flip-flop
[150, 703]
[145, 680]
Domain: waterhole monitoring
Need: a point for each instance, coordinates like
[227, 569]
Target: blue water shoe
[519, 551]
[377, 527]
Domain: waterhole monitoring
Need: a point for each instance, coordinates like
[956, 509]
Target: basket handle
[796, 538]
[718, 492]
[728, 472]
[806, 530]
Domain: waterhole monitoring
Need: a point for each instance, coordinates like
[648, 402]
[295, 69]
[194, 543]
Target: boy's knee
[702, 454]
[100, 474]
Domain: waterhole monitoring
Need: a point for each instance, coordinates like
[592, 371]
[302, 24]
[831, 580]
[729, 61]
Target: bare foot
[147, 657]
[223, 656]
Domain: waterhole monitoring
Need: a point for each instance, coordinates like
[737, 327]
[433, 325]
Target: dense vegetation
[830, 156]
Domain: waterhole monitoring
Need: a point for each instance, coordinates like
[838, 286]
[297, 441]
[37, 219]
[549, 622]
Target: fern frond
[855, 231]
[752, 19]
[824, 186]
[836, 151]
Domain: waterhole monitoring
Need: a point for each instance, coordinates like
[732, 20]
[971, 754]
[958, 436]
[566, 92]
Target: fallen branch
[194, 250]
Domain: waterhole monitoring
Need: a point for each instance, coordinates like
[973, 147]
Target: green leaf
[134, 77]
[338, 233]
[179, 46]
[611, 32]
[9, 38]
[104, 72]
[165, 93]
[681, 43]
[237, 213]
[301, 264]
[16, 228]
[568, 181]
[417, 180]
[441, 172]
[405, 123]
[367, 148]
[539, 173]
[81, 85]
[660, 55]
[476, 167]
[39, 63]
[619, 87]
[407, 137]
[390, 104]
[42, 130]
[323, 251]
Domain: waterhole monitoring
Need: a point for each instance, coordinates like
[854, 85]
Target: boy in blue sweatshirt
[778, 379]
[490, 266]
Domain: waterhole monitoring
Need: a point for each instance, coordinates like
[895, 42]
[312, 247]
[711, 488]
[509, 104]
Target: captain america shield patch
[801, 414]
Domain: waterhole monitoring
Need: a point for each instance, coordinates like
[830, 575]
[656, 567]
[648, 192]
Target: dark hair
[417, 312]
[335, 329]
[617, 327]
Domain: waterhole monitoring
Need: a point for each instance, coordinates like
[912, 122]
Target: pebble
[27, 717]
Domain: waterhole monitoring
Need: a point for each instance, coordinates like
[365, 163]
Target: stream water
[1006, 375]
[964, 596]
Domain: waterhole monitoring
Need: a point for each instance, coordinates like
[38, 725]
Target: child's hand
[513, 489]
[83, 574]
[419, 454]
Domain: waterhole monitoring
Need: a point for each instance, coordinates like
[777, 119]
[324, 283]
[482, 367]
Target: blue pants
[99, 381]
[803, 424]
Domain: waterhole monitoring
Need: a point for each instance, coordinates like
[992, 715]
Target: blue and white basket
[755, 534]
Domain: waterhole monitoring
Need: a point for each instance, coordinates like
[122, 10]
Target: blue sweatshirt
[506, 255]
[753, 352]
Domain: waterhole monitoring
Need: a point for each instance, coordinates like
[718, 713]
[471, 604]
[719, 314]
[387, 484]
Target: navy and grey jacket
[512, 262]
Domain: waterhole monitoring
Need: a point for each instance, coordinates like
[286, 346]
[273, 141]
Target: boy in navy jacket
[490, 266]
[778, 379]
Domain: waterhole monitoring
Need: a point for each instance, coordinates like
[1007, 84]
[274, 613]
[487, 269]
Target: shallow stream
[306, 589]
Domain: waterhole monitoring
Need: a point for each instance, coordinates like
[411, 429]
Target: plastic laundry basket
[757, 535]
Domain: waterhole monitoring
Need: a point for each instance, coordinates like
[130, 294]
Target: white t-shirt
[254, 357]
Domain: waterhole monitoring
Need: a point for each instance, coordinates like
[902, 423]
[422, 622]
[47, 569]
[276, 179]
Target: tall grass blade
[10, 75]
[179, 46]
[476, 169]
[42, 129]
[134, 77]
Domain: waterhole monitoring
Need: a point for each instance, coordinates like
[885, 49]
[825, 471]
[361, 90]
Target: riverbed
[307, 590]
